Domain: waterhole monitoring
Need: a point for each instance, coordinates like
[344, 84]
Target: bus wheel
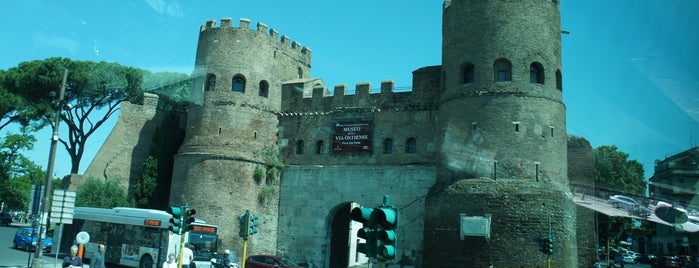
[146, 262]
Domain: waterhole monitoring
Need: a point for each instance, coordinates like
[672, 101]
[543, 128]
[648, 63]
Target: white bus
[135, 237]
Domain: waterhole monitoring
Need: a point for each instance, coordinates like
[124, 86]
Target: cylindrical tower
[502, 108]
[501, 118]
[231, 131]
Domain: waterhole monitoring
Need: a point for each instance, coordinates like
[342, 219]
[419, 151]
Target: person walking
[187, 256]
[170, 263]
[72, 260]
[98, 257]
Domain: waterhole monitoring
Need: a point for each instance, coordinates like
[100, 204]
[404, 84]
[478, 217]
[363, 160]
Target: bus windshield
[204, 245]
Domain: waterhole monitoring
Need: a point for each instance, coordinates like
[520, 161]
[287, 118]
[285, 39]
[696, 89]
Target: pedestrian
[226, 258]
[72, 260]
[187, 256]
[97, 260]
[170, 263]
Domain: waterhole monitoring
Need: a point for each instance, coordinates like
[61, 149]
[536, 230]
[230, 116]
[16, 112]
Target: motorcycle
[218, 263]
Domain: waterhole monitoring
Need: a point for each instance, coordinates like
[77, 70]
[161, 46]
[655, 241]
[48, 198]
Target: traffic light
[546, 246]
[188, 219]
[242, 225]
[549, 246]
[368, 233]
[386, 221]
[176, 220]
[252, 223]
[380, 230]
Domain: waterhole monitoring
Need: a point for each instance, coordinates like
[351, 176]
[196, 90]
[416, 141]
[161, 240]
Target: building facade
[481, 136]
[675, 181]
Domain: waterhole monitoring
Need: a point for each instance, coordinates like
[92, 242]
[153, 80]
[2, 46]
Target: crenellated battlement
[244, 24]
[294, 102]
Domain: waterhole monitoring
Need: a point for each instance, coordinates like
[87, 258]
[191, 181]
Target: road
[10, 257]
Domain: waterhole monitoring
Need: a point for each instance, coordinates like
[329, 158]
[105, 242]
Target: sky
[630, 67]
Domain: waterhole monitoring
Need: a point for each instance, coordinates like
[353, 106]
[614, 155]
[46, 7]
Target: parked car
[5, 219]
[623, 202]
[666, 262]
[27, 237]
[269, 261]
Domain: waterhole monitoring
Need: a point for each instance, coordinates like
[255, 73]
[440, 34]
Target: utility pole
[38, 262]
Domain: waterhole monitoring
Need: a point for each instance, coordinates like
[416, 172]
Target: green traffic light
[252, 224]
[242, 221]
[386, 217]
[176, 220]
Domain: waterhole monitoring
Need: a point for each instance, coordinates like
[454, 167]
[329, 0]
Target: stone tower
[502, 134]
[231, 127]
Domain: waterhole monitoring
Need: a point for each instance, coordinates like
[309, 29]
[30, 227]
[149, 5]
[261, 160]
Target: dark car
[5, 219]
[269, 261]
[666, 262]
[27, 237]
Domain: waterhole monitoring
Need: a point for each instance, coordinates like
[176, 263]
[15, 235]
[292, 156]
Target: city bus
[135, 237]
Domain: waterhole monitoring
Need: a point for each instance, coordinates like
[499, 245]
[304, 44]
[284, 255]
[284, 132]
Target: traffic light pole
[179, 261]
[38, 262]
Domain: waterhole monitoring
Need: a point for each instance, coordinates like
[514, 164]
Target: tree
[93, 95]
[13, 108]
[96, 193]
[145, 188]
[615, 173]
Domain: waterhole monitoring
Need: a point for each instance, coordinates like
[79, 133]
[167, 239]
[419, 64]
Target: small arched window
[502, 70]
[467, 73]
[536, 73]
[559, 80]
[320, 149]
[264, 89]
[238, 83]
[411, 145]
[388, 146]
[300, 72]
[210, 82]
[299, 147]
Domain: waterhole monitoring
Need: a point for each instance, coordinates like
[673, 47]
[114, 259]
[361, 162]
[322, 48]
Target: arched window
[319, 147]
[502, 70]
[299, 147]
[467, 73]
[238, 83]
[300, 72]
[411, 145]
[388, 146]
[210, 82]
[264, 89]
[559, 80]
[536, 73]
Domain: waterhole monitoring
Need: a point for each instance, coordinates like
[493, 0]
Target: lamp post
[49, 177]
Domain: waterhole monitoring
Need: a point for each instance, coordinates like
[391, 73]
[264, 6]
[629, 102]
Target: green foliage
[274, 167]
[12, 107]
[265, 194]
[93, 94]
[258, 175]
[172, 88]
[145, 188]
[166, 140]
[96, 193]
[616, 174]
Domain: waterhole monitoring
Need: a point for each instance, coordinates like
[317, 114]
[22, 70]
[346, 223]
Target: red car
[269, 261]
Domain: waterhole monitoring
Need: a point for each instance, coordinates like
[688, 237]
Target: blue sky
[630, 72]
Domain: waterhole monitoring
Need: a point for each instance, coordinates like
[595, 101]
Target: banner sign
[352, 137]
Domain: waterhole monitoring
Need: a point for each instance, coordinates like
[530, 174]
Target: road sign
[62, 206]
